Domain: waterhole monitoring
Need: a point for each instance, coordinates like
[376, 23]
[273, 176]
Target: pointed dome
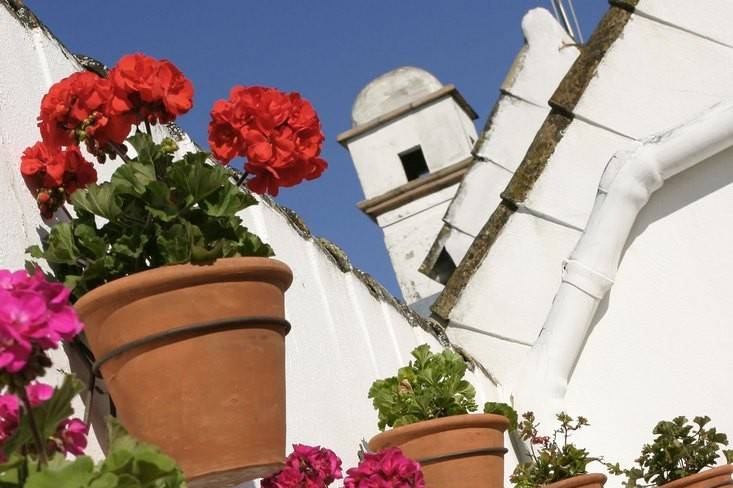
[390, 91]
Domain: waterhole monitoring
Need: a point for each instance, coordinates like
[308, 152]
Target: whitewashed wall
[661, 344]
[522, 107]
[409, 231]
[442, 129]
[347, 331]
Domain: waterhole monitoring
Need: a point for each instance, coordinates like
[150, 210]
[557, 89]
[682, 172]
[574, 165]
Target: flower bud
[168, 145]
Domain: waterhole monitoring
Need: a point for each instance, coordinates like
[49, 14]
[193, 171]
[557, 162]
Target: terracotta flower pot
[710, 478]
[463, 450]
[581, 481]
[212, 398]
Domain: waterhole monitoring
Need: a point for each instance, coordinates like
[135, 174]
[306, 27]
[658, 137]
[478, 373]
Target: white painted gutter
[627, 183]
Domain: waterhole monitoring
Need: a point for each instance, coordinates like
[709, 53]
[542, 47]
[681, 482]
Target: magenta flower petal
[38, 393]
[9, 416]
[73, 436]
[388, 468]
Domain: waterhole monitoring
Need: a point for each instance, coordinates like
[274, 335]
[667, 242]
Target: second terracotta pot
[710, 478]
[463, 450]
[593, 480]
[212, 398]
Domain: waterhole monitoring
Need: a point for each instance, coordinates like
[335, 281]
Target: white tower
[411, 141]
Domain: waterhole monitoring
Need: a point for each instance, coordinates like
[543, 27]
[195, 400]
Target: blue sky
[325, 49]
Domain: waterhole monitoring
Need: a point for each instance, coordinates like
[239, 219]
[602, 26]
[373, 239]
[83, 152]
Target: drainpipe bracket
[585, 279]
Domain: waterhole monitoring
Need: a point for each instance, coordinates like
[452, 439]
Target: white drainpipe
[628, 181]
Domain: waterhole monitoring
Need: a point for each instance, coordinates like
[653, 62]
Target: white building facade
[577, 249]
[589, 288]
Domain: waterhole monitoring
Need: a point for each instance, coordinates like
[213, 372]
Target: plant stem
[242, 178]
[66, 211]
[147, 128]
[42, 458]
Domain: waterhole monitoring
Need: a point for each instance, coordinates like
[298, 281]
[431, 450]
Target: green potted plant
[554, 460]
[37, 428]
[183, 306]
[429, 406]
[679, 455]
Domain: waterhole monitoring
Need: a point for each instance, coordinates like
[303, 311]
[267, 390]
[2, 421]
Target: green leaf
[34, 251]
[131, 246]
[175, 244]
[60, 245]
[133, 177]
[507, 411]
[10, 471]
[137, 464]
[87, 237]
[147, 151]
[227, 201]
[157, 212]
[48, 415]
[108, 480]
[119, 438]
[194, 179]
[99, 200]
[64, 474]
[158, 202]
[430, 387]
[728, 454]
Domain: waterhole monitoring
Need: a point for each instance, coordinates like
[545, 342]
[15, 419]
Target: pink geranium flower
[73, 436]
[38, 393]
[307, 467]
[34, 312]
[386, 469]
[9, 420]
[9, 416]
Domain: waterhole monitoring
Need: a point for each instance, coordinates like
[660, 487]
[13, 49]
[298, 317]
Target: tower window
[413, 161]
[444, 267]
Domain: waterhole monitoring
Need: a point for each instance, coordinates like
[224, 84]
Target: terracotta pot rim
[702, 475]
[454, 422]
[580, 480]
[171, 277]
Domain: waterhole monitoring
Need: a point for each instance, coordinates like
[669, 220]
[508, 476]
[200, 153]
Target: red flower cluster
[149, 89]
[306, 467]
[84, 107]
[54, 174]
[278, 133]
[386, 469]
[76, 109]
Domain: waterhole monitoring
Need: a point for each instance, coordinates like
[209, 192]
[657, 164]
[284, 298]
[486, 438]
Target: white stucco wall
[442, 129]
[660, 345]
[409, 231]
[444, 132]
[346, 332]
[522, 107]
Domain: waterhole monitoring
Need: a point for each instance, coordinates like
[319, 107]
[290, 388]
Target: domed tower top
[410, 140]
[405, 125]
[391, 91]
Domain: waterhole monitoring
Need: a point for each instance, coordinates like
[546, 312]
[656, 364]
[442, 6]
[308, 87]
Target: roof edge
[415, 189]
[447, 90]
[562, 104]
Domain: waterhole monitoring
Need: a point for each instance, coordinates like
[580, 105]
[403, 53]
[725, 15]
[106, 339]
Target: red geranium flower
[55, 174]
[77, 108]
[279, 134]
[150, 89]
